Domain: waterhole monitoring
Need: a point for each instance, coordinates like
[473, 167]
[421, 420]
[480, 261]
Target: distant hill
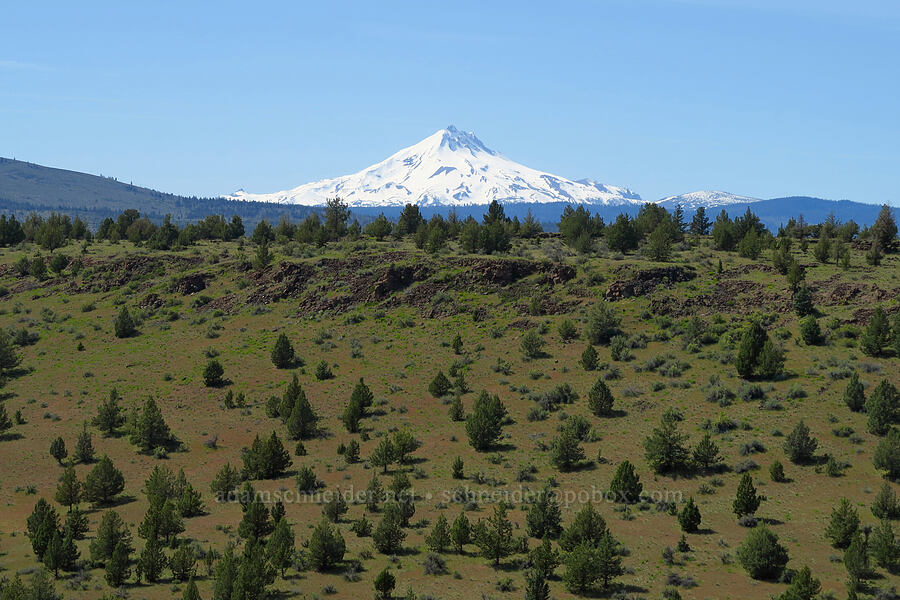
[27, 187]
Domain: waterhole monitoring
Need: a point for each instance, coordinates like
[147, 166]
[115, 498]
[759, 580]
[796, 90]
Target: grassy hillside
[389, 313]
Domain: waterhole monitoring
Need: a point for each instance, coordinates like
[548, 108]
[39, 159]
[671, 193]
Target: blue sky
[757, 97]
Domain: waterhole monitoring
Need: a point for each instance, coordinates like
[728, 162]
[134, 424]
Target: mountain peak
[450, 167]
[706, 199]
[455, 139]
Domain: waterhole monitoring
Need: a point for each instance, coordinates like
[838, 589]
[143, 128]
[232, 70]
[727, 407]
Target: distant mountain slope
[705, 198]
[27, 187]
[778, 211]
[449, 168]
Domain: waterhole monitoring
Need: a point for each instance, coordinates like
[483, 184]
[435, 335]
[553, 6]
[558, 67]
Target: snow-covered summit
[448, 168]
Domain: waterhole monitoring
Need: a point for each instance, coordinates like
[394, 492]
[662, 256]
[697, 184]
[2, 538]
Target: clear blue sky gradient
[757, 97]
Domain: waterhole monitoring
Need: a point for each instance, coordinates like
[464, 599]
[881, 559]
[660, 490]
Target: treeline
[654, 230]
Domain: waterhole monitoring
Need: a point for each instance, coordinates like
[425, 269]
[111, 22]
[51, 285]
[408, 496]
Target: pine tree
[389, 535]
[224, 574]
[882, 407]
[280, 546]
[42, 523]
[256, 523]
[5, 422]
[706, 454]
[103, 483]
[54, 555]
[600, 398]
[854, 395]
[117, 567]
[544, 558]
[494, 538]
[109, 415]
[111, 532]
[456, 411]
[84, 449]
[582, 568]
[856, 560]
[746, 501]
[383, 455]
[152, 560]
[326, 546]
[883, 546]
[689, 517]
[566, 452]
[843, 525]
[190, 591]
[183, 562]
[588, 526]
[68, 492]
[609, 561]
[803, 586]
[877, 334]
[439, 539]
[282, 353]
[544, 517]
[665, 448]
[76, 522]
[461, 532]
[885, 505]
[384, 585]
[536, 587]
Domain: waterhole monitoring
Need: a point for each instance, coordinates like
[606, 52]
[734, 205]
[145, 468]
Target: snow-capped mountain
[705, 198]
[449, 168]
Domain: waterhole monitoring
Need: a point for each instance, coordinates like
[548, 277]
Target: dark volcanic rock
[645, 281]
[190, 284]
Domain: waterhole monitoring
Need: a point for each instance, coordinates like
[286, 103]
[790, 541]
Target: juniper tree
[589, 359]
[484, 424]
[600, 398]
[706, 453]
[283, 352]
[689, 518]
[58, 450]
[746, 501]
[626, 485]
[41, 524]
[213, 373]
[883, 546]
[84, 448]
[440, 385]
[124, 325]
[854, 395]
[761, 555]
[800, 445]
[384, 585]
[876, 335]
